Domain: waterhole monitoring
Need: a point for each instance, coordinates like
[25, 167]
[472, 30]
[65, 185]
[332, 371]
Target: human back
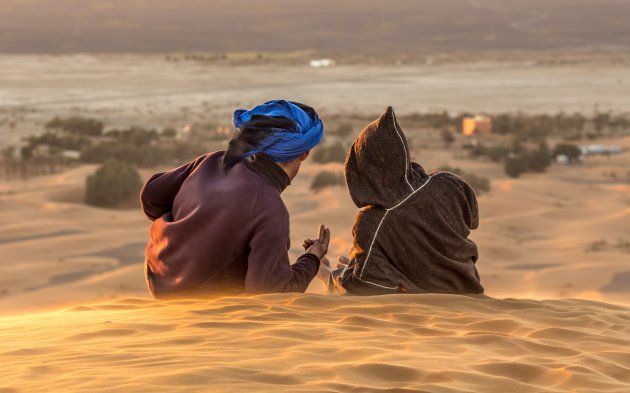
[212, 220]
[411, 232]
[220, 225]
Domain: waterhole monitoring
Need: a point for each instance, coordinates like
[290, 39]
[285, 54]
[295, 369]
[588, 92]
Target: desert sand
[76, 314]
[309, 343]
[539, 235]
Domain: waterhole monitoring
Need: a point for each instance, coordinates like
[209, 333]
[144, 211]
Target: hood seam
[367, 258]
[405, 150]
[411, 194]
[375, 284]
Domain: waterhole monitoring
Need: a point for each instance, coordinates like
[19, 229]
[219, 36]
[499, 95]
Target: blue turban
[282, 144]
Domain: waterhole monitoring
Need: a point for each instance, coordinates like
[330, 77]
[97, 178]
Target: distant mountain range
[352, 26]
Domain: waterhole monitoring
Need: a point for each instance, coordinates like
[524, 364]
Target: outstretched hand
[331, 282]
[319, 246]
[343, 262]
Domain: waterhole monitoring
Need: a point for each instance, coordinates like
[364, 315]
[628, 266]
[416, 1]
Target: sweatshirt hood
[378, 168]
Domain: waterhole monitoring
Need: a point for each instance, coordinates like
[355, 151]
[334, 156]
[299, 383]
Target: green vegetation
[12, 166]
[514, 166]
[539, 160]
[335, 152]
[344, 130]
[447, 137]
[77, 126]
[536, 161]
[495, 153]
[327, 179]
[236, 57]
[114, 183]
[572, 152]
[622, 245]
[520, 157]
[568, 126]
[53, 143]
[478, 183]
[532, 127]
[437, 121]
[140, 147]
[73, 140]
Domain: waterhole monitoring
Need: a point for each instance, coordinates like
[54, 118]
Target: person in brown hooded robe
[411, 232]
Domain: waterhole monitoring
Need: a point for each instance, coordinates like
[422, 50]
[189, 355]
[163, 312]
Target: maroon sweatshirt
[218, 231]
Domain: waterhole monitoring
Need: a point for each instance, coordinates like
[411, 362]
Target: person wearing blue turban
[219, 223]
[281, 130]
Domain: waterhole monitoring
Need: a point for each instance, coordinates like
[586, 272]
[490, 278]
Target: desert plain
[76, 315]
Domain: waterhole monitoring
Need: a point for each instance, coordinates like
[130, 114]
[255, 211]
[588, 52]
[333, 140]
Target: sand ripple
[310, 343]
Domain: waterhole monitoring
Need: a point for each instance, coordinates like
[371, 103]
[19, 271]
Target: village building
[477, 125]
[594, 150]
[322, 63]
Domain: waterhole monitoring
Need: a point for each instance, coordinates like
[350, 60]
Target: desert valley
[88, 89]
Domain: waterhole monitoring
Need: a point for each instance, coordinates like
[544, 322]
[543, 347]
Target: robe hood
[378, 168]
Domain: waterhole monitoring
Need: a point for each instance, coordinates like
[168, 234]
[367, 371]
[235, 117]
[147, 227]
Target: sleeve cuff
[310, 256]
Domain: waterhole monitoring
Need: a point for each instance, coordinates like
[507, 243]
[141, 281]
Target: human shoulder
[368, 219]
[268, 201]
[371, 210]
[215, 156]
[451, 179]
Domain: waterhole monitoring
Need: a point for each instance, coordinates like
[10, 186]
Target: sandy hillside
[310, 343]
[562, 234]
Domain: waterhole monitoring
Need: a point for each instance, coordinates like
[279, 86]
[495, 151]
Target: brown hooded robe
[411, 232]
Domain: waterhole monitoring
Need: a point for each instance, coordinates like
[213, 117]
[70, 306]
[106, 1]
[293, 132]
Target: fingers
[318, 246]
[324, 235]
[344, 260]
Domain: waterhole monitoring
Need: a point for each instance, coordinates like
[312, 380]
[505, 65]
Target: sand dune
[538, 235]
[311, 343]
[562, 234]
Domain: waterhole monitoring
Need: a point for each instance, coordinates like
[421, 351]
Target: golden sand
[554, 235]
[314, 343]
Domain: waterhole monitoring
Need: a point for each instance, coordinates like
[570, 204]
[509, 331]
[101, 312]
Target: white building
[322, 63]
[591, 150]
